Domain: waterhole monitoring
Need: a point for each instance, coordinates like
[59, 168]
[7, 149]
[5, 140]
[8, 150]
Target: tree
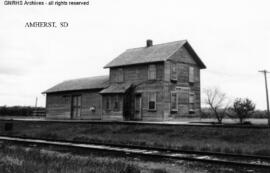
[217, 102]
[243, 108]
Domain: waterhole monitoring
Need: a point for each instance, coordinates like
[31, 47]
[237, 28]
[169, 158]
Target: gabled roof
[155, 53]
[97, 82]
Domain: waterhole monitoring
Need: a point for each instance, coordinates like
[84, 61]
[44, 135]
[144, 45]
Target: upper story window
[117, 75]
[173, 72]
[120, 75]
[191, 74]
[152, 72]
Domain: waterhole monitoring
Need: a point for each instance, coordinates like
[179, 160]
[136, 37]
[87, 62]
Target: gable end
[195, 56]
[186, 54]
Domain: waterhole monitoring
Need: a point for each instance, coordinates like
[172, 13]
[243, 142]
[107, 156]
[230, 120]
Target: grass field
[25, 159]
[228, 140]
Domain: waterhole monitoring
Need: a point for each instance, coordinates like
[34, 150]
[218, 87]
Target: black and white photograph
[133, 86]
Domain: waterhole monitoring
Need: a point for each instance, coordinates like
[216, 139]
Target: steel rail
[153, 153]
[131, 146]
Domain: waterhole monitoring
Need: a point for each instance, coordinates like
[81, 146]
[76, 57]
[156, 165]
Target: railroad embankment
[254, 141]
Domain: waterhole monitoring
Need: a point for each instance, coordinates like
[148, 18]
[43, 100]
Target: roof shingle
[155, 53]
[97, 82]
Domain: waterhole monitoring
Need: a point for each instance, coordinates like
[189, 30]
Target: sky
[232, 37]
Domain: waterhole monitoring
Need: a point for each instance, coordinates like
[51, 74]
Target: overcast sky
[232, 37]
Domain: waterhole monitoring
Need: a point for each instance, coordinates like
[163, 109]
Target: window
[116, 75]
[116, 103]
[120, 75]
[183, 97]
[152, 72]
[191, 97]
[66, 99]
[174, 104]
[76, 106]
[191, 102]
[152, 101]
[191, 74]
[107, 102]
[173, 72]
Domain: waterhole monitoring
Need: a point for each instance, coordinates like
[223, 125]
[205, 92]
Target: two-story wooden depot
[155, 82]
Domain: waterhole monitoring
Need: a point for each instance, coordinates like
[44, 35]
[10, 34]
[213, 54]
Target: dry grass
[230, 140]
[22, 159]
[19, 160]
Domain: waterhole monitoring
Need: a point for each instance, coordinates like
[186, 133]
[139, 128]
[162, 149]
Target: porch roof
[116, 88]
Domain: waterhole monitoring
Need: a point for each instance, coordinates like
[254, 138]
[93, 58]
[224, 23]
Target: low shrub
[206, 113]
[19, 110]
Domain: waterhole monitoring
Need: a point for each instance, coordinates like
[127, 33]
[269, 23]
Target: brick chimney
[149, 43]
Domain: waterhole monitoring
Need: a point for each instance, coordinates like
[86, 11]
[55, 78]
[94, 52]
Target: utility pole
[267, 97]
[36, 102]
[34, 113]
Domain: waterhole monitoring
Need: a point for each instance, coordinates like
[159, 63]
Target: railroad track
[159, 153]
[102, 122]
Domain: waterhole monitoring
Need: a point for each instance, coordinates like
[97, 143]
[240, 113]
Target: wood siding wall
[183, 61]
[136, 73]
[110, 114]
[58, 105]
[163, 85]
[145, 90]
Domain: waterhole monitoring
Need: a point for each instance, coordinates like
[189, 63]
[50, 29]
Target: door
[76, 107]
[138, 107]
